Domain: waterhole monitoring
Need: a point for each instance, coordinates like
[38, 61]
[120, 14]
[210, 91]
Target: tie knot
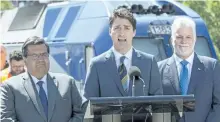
[122, 58]
[40, 83]
[184, 62]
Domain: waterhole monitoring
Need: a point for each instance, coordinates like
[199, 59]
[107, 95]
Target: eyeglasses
[37, 56]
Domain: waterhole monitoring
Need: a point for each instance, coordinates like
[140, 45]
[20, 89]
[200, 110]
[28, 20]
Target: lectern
[164, 108]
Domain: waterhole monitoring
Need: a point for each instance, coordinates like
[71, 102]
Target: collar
[189, 59]
[44, 79]
[118, 55]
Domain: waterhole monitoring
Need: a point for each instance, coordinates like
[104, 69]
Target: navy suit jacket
[103, 80]
[204, 84]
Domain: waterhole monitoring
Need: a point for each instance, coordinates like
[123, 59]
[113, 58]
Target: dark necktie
[123, 73]
[184, 77]
[43, 97]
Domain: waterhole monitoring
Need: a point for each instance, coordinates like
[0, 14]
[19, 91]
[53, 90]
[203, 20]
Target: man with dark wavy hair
[107, 75]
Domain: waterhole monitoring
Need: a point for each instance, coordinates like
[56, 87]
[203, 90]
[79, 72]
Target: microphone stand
[147, 114]
[133, 94]
[143, 85]
[133, 87]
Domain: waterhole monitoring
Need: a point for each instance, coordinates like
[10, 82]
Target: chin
[184, 54]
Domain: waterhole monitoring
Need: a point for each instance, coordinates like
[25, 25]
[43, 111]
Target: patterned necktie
[43, 97]
[123, 73]
[184, 77]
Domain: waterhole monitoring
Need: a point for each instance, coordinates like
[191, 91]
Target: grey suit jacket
[20, 101]
[204, 84]
[103, 80]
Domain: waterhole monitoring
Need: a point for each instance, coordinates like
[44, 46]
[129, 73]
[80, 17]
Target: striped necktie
[184, 77]
[123, 73]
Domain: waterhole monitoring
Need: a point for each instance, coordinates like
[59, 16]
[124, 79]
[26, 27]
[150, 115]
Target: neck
[123, 51]
[38, 76]
[184, 57]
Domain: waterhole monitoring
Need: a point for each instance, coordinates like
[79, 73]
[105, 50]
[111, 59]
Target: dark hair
[15, 55]
[34, 40]
[123, 12]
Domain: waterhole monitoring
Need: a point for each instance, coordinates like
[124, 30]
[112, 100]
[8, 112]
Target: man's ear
[134, 33]
[110, 31]
[25, 60]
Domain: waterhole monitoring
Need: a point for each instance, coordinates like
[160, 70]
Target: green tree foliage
[5, 5]
[209, 10]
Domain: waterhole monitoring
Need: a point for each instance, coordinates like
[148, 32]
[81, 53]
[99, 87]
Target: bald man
[3, 63]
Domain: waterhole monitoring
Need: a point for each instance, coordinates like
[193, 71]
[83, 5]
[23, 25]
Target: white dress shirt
[189, 65]
[127, 61]
[44, 79]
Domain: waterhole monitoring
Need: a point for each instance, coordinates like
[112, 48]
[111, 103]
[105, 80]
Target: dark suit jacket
[103, 80]
[204, 84]
[20, 101]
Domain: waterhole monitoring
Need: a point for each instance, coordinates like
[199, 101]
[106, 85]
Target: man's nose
[184, 41]
[121, 33]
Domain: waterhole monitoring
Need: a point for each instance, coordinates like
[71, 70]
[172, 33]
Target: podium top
[154, 104]
[143, 99]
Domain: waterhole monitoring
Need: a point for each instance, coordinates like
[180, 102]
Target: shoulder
[144, 55]
[163, 62]
[100, 58]
[206, 59]
[15, 82]
[5, 71]
[4, 74]
[208, 62]
[60, 76]
[63, 79]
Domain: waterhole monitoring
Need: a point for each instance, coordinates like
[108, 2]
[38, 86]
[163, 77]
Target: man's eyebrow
[127, 25]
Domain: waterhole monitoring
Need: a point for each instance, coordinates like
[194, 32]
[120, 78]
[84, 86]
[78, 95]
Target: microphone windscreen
[134, 72]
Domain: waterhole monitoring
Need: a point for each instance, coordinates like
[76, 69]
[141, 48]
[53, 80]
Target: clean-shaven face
[122, 34]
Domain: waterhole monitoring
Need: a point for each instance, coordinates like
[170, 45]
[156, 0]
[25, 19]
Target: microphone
[135, 74]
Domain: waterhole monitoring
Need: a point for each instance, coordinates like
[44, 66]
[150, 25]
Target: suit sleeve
[155, 80]
[78, 113]
[91, 87]
[7, 113]
[215, 115]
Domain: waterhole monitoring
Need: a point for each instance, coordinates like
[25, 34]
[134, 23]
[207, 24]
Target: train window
[151, 46]
[27, 17]
[202, 47]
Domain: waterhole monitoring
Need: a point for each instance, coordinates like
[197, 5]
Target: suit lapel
[52, 85]
[111, 65]
[198, 71]
[33, 94]
[135, 61]
[171, 73]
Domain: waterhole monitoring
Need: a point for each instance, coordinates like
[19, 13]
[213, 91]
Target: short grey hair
[181, 22]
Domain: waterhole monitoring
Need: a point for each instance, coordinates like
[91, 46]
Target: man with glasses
[38, 95]
[16, 66]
